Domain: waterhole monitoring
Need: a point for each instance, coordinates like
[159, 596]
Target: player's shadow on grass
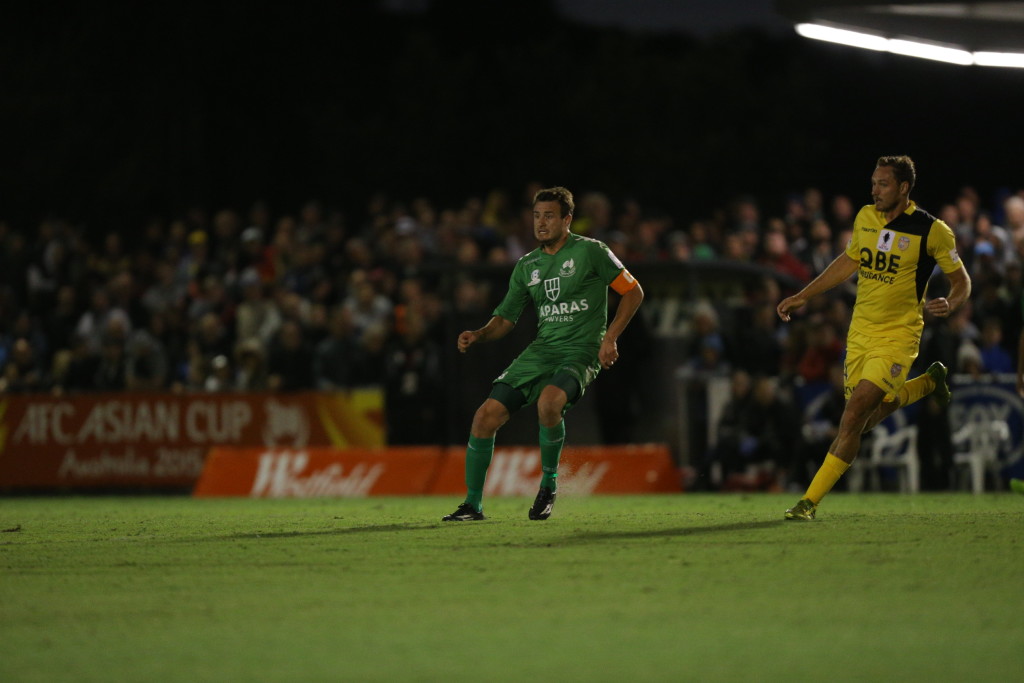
[588, 537]
[328, 532]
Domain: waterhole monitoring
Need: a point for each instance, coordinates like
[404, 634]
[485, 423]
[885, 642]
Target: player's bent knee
[489, 417]
[551, 405]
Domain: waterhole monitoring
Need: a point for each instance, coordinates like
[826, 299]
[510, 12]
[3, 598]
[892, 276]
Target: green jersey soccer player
[567, 280]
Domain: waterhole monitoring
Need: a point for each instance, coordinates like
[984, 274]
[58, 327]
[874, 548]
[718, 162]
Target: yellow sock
[827, 476]
[916, 389]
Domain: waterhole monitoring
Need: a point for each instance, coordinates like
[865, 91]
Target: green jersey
[569, 290]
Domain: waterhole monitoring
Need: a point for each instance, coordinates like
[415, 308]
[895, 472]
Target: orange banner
[161, 440]
[320, 472]
[583, 470]
[317, 472]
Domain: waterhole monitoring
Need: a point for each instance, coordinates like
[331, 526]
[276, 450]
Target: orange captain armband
[624, 282]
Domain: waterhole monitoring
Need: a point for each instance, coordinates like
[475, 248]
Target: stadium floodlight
[912, 48]
[1010, 59]
[843, 37]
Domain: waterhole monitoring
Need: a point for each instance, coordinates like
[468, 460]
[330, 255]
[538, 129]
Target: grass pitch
[686, 587]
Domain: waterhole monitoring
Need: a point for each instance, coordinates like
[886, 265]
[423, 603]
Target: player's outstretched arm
[838, 271]
[496, 328]
[628, 305]
[959, 291]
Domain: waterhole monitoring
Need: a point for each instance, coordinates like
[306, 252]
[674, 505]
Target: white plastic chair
[896, 449]
[978, 446]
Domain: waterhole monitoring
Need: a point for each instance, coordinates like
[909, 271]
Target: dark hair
[902, 167]
[557, 194]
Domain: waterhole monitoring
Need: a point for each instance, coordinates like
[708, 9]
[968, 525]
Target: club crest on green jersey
[552, 287]
[568, 269]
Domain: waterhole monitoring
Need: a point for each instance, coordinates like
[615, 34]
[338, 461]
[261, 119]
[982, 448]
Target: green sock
[478, 459]
[551, 440]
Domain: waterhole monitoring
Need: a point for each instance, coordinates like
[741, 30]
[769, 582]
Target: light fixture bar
[910, 48]
[1010, 59]
[843, 37]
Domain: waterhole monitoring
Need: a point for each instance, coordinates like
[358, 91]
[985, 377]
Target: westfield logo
[285, 475]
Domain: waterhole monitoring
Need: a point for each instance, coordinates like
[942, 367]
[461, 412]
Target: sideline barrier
[582, 470]
[160, 441]
[319, 472]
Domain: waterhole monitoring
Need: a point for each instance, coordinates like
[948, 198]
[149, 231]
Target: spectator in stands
[26, 326]
[414, 386]
[649, 239]
[311, 224]
[94, 322]
[372, 358]
[842, 214]
[166, 291]
[967, 210]
[365, 304]
[256, 317]
[289, 363]
[1013, 208]
[110, 261]
[994, 357]
[16, 259]
[74, 369]
[50, 267]
[212, 296]
[250, 366]
[824, 349]
[595, 215]
[775, 254]
[195, 262]
[111, 372]
[990, 299]
[755, 445]
[735, 248]
[820, 252]
[23, 373]
[985, 232]
[220, 377]
[730, 432]
[969, 360]
[707, 351]
[701, 246]
[209, 338]
[336, 357]
[823, 412]
[60, 321]
[147, 366]
[225, 251]
[760, 342]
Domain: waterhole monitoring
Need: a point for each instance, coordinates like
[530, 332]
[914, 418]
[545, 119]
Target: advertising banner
[318, 472]
[161, 440]
[355, 472]
[583, 470]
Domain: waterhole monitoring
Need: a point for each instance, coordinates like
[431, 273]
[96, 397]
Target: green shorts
[535, 368]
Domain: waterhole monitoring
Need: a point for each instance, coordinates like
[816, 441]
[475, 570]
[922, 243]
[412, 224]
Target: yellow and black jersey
[896, 260]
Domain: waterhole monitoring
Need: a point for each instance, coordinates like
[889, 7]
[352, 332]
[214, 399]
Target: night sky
[113, 115]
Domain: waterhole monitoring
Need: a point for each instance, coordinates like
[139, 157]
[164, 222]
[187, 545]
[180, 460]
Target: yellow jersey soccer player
[894, 249]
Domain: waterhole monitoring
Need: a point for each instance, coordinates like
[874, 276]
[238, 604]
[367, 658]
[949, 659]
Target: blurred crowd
[324, 298]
